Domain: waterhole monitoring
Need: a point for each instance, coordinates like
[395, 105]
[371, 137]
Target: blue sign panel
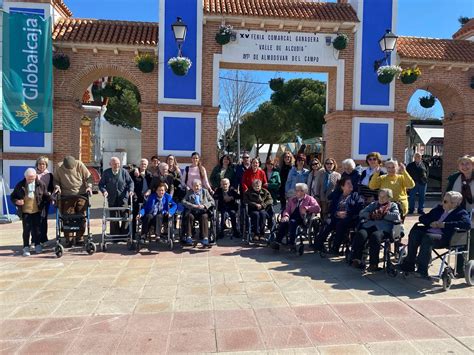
[179, 133]
[373, 137]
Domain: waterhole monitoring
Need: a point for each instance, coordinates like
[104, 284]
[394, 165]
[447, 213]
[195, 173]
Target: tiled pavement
[226, 299]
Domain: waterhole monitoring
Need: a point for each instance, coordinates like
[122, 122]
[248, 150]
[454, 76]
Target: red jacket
[249, 176]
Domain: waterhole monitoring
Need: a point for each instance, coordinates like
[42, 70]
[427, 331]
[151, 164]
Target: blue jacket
[355, 204]
[458, 218]
[295, 177]
[169, 206]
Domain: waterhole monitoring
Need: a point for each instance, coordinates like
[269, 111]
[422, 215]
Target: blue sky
[425, 18]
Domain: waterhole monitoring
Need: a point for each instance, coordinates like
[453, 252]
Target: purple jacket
[308, 201]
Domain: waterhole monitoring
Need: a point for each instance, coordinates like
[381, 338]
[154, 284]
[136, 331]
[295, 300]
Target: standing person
[398, 183]
[286, 163]
[117, 186]
[175, 171]
[141, 178]
[164, 177]
[240, 170]
[195, 171]
[223, 170]
[297, 175]
[419, 173]
[374, 163]
[348, 167]
[46, 177]
[313, 175]
[255, 172]
[154, 166]
[326, 183]
[273, 178]
[30, 196]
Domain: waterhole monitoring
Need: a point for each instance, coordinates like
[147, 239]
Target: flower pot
[277, 84]
[223, 38]
[340, 42]
[179, 68]
[61, 61]
[385, 78]
[408, 79]
[427, 101]
[146, 66]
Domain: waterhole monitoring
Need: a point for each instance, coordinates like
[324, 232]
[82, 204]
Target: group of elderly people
[372, 198]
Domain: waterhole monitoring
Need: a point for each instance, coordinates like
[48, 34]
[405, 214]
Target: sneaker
[189, 241]
[205, 242]
[38, 249]
[26, 251]
[411, 212]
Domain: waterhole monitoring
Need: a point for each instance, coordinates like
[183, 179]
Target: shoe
[26, 251]
[423, 274]
[189, 241]
[205, 242]
[421, 212]
[411, 212]
[275, 245]
[356, 263]
[38, 249]
[373, 268]
[405, 267]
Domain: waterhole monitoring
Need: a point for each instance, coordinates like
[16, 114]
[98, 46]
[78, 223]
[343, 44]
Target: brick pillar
[66, 129]
[209, 136]
[149, 134]
[86, 141]
[338, 135]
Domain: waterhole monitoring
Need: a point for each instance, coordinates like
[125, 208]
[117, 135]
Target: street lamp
[179, 31]
[387, 43]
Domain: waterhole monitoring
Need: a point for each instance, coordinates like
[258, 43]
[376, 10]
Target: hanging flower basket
[340, 42]
[61, 61]
[146, 62]
[386, 73]
[409, 76]
[427, 101]
[180, 65]
[276, 84]
[224, 34]
[109, 91]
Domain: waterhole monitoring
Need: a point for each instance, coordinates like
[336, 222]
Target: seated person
[227, 198]
[344, 208]
[197, 203]
[294, 213]
[156, 210]
[379, 218]
[439, 226]
[259, 201]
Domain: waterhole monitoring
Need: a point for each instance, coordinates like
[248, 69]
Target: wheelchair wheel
[301, 249]
[59, 250]
[469, 272]
[447, 278]
[91, 248]
[104, 247]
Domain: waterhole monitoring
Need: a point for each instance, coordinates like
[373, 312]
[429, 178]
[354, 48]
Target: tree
[123, 109]
[239, 95]
[463, 20]
[303, 104]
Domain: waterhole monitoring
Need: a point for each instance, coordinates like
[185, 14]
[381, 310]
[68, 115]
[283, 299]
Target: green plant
[276, 84]
[180, 65]
[386, 73]
[409, 75]
[427, 101]
[340, 42]
[109, 90]
[146, 62]
[224, 34]
[61, 61]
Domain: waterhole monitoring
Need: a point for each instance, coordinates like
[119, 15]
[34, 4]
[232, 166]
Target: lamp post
[387, 43]
[179, 31]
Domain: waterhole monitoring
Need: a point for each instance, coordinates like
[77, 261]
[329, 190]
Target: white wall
[117, 137]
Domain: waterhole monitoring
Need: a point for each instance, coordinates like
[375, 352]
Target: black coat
[232, 205]
[458, 218]
[138, 184]
[419, 173]
[355, 204]
[42, 195]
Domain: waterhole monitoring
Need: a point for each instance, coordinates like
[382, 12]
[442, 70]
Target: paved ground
[227, 299]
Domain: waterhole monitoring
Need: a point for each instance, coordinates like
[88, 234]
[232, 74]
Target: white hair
[225, 180]
[30, 171]
[455, 197]
[163, 165]
[388, 192]
[144, 160]
[197, 181]
[256, 182]
[302, 186]
[349, 162]
[114, 158]
[391, 161]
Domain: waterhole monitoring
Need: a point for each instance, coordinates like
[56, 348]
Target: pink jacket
[308, 201]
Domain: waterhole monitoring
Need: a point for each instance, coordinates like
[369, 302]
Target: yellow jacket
[398, 183]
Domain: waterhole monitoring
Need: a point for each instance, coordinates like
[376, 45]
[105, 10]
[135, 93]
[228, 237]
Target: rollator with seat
[119, 215]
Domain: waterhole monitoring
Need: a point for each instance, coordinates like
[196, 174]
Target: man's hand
[437, 224]
[19, 202]
[57, 189]
[341, 214]
[89, 191]
[285, 219]
[201, 207]
[138, 217]
[105, 193]
[147, 193]
[258, 206]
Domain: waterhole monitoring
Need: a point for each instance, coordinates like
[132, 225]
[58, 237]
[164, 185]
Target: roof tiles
[465, 31]
[446, 50]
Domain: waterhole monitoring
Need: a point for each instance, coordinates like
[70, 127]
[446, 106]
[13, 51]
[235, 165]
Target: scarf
[31, 189]
[327, 181]
[380, 211]
[466, 188]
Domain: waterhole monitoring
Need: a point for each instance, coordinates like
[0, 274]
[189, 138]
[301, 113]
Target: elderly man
[142, 179]
[117, 186]
[439, 226]
[30, 196]
[419, 173]
[197, 202]
[259, 201]
[227, 198]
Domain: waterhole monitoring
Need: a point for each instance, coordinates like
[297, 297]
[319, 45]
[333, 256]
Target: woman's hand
[401, 168]
[19, 202]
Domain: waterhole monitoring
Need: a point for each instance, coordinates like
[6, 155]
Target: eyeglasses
[245, 157]
[372, 159]
[313, 164]
[329, 163]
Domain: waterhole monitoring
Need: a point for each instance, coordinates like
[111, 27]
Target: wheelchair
[164, 236]
[248, 236]
[227, 221]
[197, 237]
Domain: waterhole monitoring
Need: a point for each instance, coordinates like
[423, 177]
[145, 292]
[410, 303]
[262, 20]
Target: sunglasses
[329, 163]
[372, 159]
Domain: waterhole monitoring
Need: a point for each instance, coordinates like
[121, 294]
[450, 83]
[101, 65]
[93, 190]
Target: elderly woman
[46, 177]
[293, 216]
[348, 168]
[297, 174]
[255, 172]
[197, 203]
[379, 218]
[195, 171]
[439, 226]
[345, 205]
[163, 177]
[273, 178]
[398, 183]
[315, 171]
[374, 162]
[326, 183]
[30, 196]
[286, 164]
[224, 170]
[227, 205]
[259, 201]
